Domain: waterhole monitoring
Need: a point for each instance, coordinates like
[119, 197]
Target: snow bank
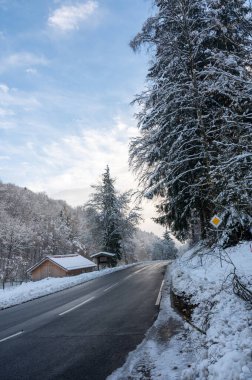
[173, 349]
[225, 352]
[32, 290]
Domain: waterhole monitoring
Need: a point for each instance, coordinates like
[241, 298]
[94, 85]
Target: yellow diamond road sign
[216, 221]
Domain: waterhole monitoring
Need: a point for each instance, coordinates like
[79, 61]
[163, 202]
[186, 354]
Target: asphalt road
[80, 333]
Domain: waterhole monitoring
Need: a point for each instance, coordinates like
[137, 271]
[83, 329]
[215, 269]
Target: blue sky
[67, 76]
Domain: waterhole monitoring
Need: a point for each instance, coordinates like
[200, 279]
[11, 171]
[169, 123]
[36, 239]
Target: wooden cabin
[61, 266]
[104, 259]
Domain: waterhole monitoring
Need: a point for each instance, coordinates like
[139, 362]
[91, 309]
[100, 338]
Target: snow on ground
[31, 290]
[173, 349]
[165, 352]
[225, 352]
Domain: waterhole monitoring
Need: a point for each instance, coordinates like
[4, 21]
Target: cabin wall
[75, 272]
[47, 269]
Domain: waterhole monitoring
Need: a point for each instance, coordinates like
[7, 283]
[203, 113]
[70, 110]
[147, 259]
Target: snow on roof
[108, 254]
[70, 262]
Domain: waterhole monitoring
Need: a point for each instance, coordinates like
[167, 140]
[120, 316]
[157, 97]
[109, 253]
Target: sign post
[216, 222]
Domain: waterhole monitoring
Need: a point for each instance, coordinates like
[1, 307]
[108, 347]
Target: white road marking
[11, 336]
[110, 287]
[75, 307]
[159, 294]
[156, 265]
[130, 275]
[140, 270]
[151, 266]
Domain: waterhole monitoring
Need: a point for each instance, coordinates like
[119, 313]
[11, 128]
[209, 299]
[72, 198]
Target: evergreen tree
[172, 152]
[195, 121]
[228, 93]
[116, 222]
[104, 201]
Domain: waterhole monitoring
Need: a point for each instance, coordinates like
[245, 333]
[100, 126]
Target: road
[82, 333]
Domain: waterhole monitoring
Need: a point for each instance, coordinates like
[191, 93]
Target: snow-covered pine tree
[186, 111]
[172, 152]
[88, 231]
[163, 250]
[104, 201]
[116, 221]
[130, 217]
[227, 90]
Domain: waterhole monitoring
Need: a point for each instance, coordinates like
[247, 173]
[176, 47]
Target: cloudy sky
[67, 76]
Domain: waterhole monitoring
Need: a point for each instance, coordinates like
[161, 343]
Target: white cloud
[31, 71]
[4, 157]
[7, 125]
[15, 105]
[4, 88]
[70, 17]
[21, 59]
[11, 98]
[80, 159]
[6, 112]
[72, 164]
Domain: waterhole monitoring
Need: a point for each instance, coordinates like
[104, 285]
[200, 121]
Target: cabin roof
[107, 254]
[67, 262]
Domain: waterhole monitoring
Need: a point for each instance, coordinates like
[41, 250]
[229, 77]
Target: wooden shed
[61, 266]
[104, 259]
